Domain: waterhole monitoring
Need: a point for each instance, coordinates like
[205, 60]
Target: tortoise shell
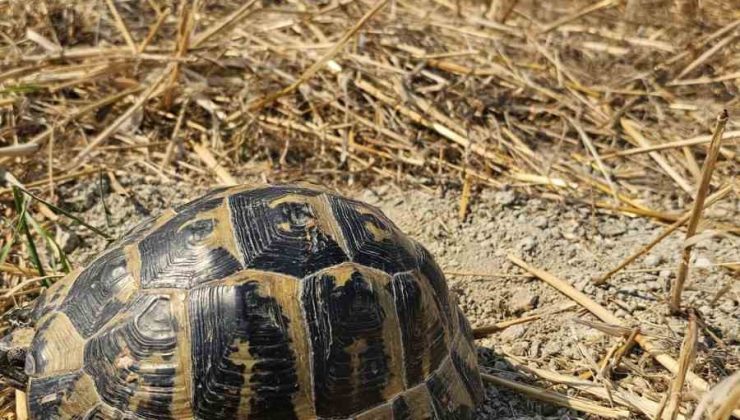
[280, 302]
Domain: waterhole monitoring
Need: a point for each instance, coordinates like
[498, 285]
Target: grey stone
[540, 222]
[505, 197]
[628, 288]
[612, 228]
[513, 333]
[523, 301]
[519, 348]
[526, 244]
[582, 284]
[653, 260]
[534, 348]
[728, 307]
[653, 285]
[706, 310]
[551, 348]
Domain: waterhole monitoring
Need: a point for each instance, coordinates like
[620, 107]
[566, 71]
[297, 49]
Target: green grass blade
[59, 210]
[6, 248]
[20, 208]
[51, 242]
[72, 216]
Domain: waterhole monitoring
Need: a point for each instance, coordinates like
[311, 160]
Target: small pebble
[513, 333]
[572, 352]
[612, 228]
[581, 285]
[727, 306]
[519, 348]
[505, 197]
[621, 313]
[534, 348]
[523, 301]
[526, 244]
[551, 348]
[628, 288]
[540, 222]
[702, 262]
[382, 190]
[653, 285]
[653, 260]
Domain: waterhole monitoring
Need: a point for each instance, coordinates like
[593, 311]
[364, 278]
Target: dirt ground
[575, 243]
[555, 111]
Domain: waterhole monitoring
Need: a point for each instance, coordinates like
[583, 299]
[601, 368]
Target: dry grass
[609, 105]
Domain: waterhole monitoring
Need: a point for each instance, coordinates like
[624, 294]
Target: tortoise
[284, 301]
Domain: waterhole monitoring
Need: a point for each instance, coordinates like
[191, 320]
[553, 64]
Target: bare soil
[575, 243]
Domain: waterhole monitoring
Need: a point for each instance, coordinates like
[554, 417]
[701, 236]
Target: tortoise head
[13, 350]
[15, 346]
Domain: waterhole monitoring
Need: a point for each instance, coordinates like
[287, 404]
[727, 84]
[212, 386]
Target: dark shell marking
[177, 254]
[242, 354]
[284, 302]
[282, 237]
[99, 292]
[349, 327]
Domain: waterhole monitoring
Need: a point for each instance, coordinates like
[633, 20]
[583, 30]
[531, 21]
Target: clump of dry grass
[608, 104]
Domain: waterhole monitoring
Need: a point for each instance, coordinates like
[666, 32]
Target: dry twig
[688, 353]
[664, 359]
[701, 194]
[555, 398]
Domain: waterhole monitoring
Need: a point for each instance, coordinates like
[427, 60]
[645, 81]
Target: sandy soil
[574, 243]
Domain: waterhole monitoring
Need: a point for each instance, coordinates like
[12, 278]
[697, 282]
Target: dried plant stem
[21, 405]
[41, 137]
[633, 130]
[201, 38]
[465, 198]
[663, 358]
[207, 157]
[121, 26]
[484, 275]
[57, 178]
[701, 194]
[185, 22]
[676, 144]
[556, 398]
[624, 349]
[481, 332]
[719, 403]
[441, 129]
[19, 271]
[153, 30]
[720, 194]
[688, 353]
[316, 66]
[611, 329]
[708, 53]
[620, 396]
[110, 129]
[16, 150]
[595, 154]
[170, 150]
[583, 12]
